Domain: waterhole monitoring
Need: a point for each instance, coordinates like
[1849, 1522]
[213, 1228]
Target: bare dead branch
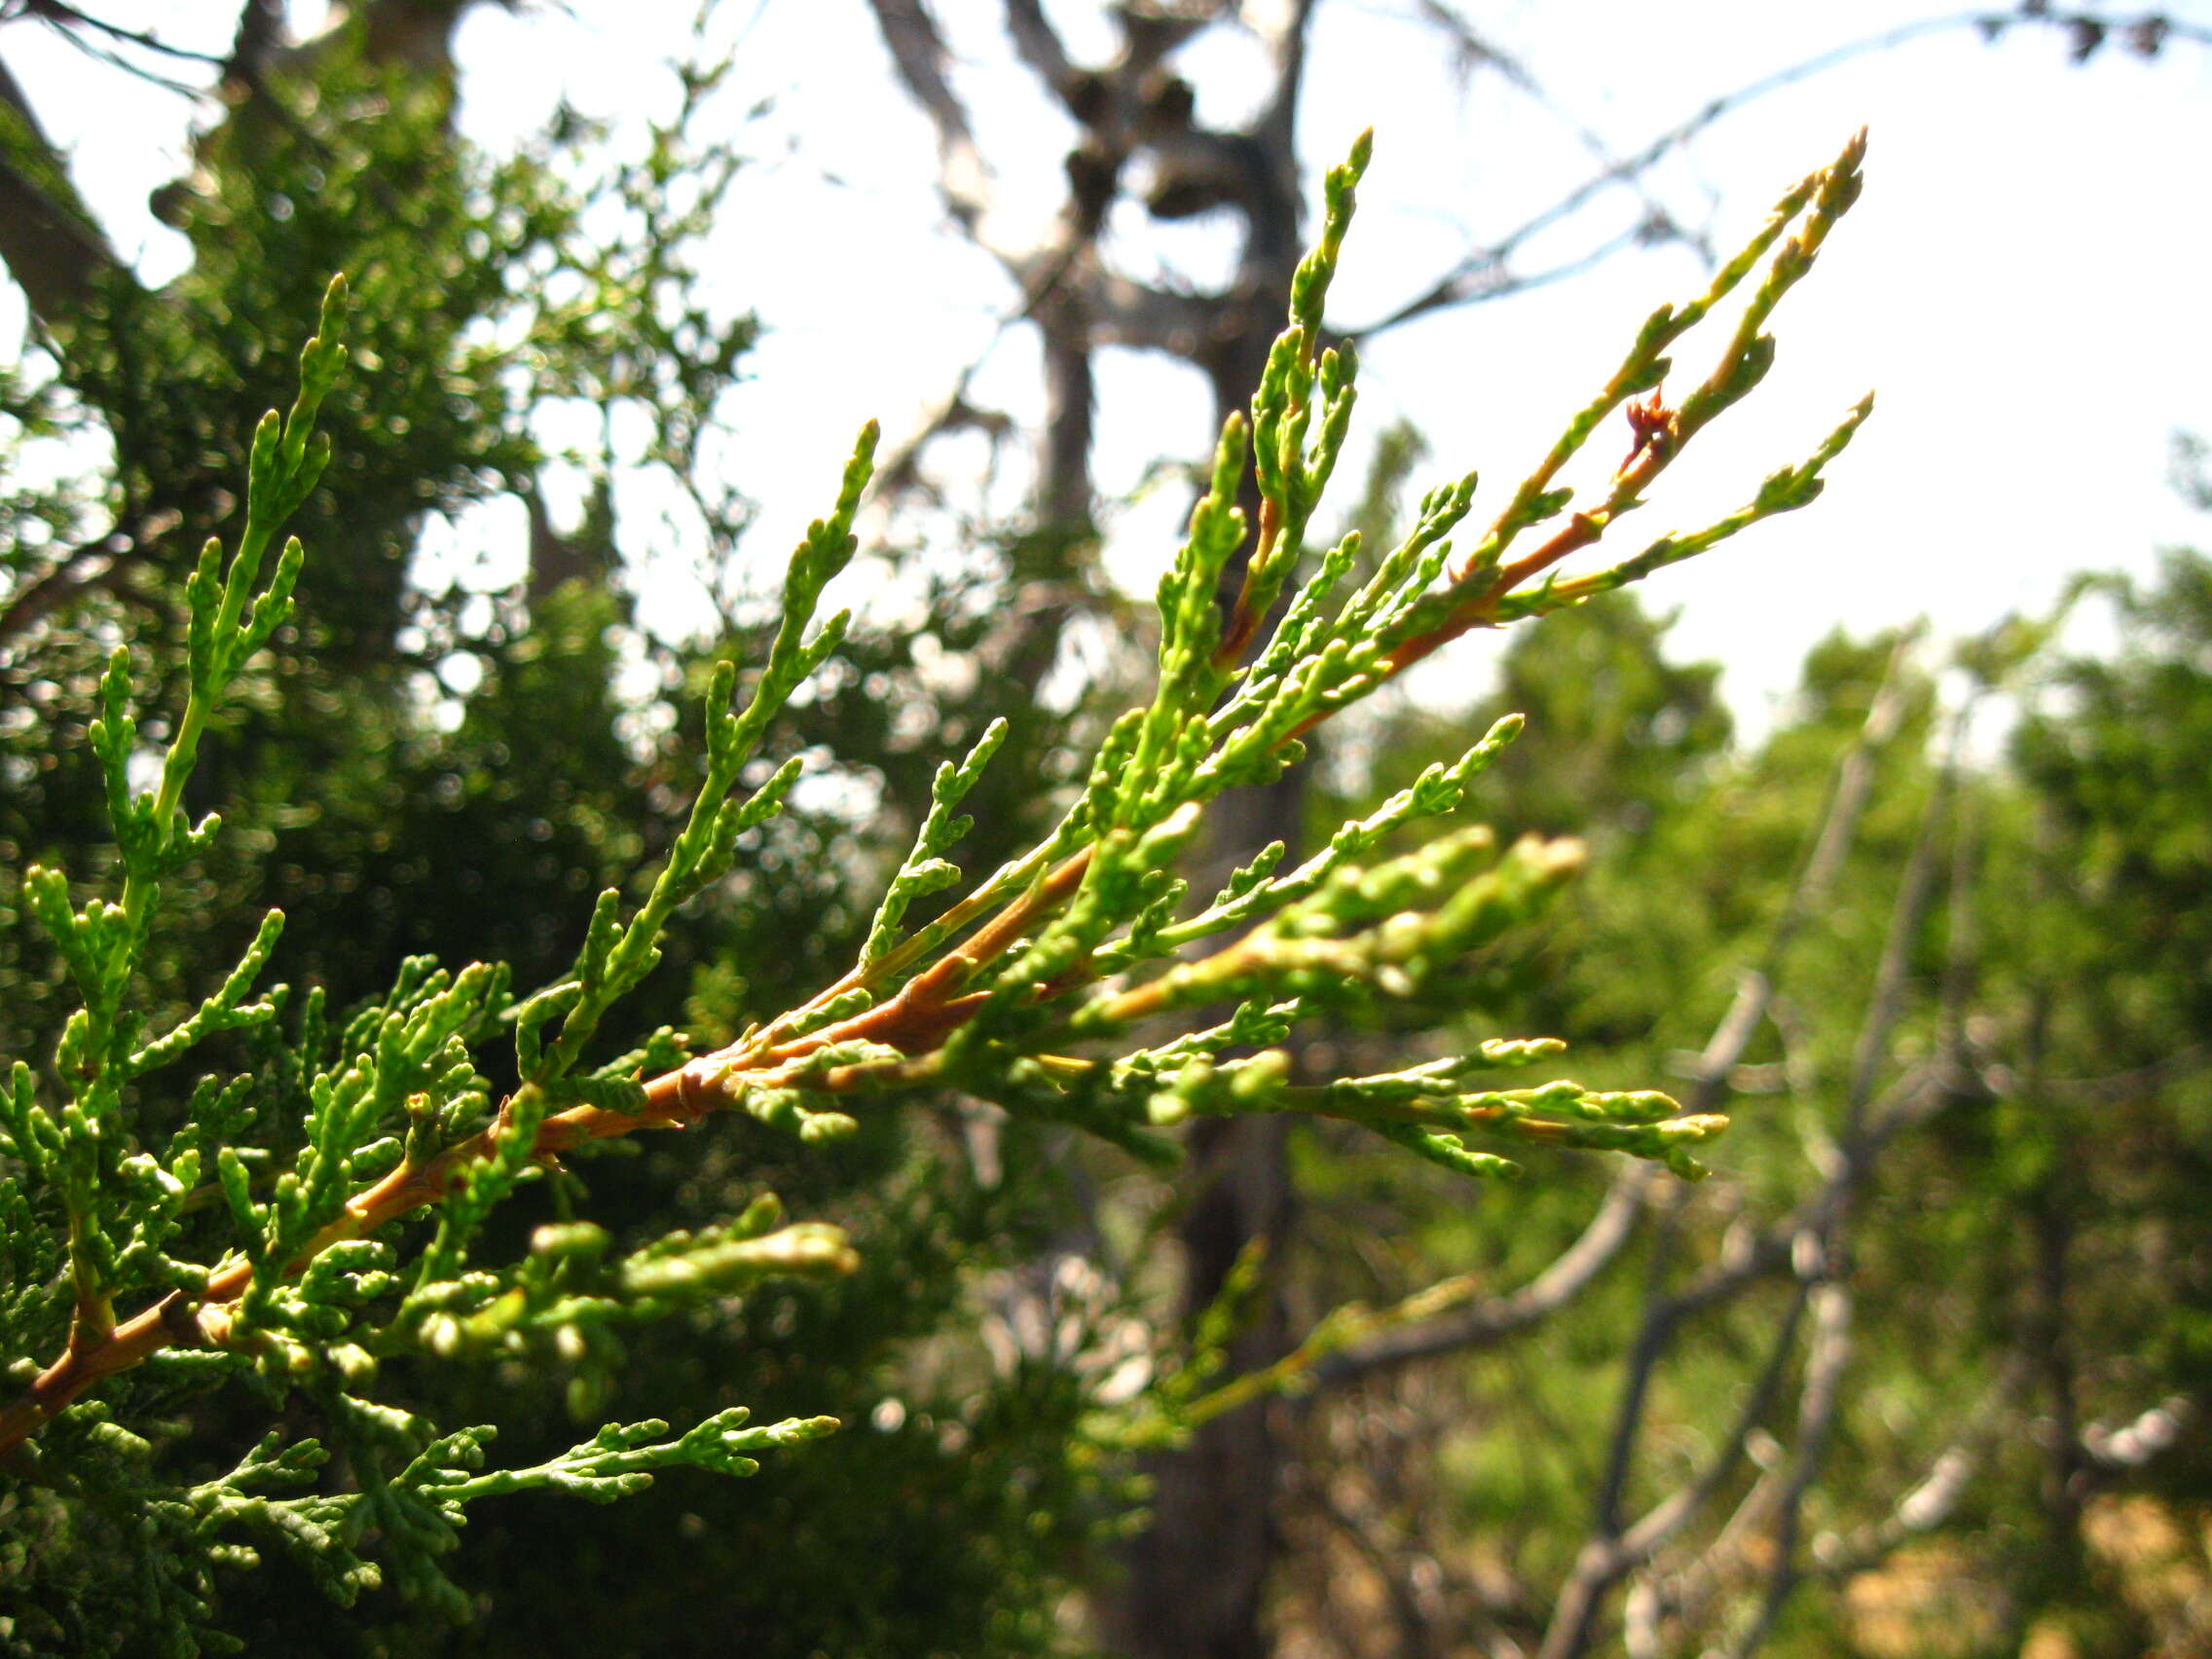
[898, 471]
[67, 16]
[1482, 273]
[1493, 1319]
[86, 33]
[1602, 1564]
[918, 54]
[1609, 1556]
[1278, 121]
[1668, 1517]
[1817, 1404]
[1934, 1499]
[1885, 1002]
[2114, 1086]
[1830, 1349]
[1038, 44]
[97, 565]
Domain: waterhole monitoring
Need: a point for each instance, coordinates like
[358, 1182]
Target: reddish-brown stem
[1655, 448]
[913, 1021]
[1243, 620]
[671, 1101]
[1579, 531]
[916, 1019]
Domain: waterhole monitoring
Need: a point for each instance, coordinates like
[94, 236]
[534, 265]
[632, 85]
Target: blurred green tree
[1916, 1373]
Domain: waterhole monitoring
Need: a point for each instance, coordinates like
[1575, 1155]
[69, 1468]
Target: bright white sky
[2023, 282]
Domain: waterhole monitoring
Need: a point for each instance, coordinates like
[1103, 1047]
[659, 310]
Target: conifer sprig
[1048, 988]
[1486, 589]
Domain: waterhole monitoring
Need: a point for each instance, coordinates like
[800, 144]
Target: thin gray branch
[1039, 45]
[1885, 1002]
[80, 31]
[1818, 1405]
[1470, 280]
[918, 54]
[1759, 1253]
[1608, 1556]
[1494, 278]
[2112, 1087]
[66, 17]
[1492, 1320]
[1136, 314]
[1574, 1616]
[1934, 1499]
[97, 565]
[1679, 1508]
[1278, 120]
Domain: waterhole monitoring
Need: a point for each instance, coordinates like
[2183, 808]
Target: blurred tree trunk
[1196, 1578]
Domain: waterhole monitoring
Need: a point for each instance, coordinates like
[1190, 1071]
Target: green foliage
[1970, 1109]
[391, 809]
[563, 277]
[262, 1220]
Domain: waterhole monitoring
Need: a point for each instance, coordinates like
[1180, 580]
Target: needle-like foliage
[314, 1207]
